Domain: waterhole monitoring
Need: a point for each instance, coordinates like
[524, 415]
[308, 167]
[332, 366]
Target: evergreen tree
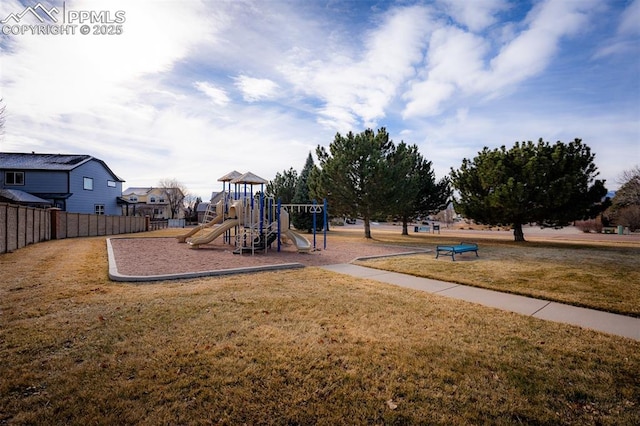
[303, 221]
[283, 186]
[415, 191]
[354, 175]
[548, 184]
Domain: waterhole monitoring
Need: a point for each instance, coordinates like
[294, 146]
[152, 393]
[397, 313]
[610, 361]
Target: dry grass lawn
[592, 275]
[296, 347]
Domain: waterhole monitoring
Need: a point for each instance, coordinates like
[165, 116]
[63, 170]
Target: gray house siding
[84, 200]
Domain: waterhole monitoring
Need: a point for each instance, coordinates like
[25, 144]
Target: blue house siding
[42, 181]
[60, 179]
[85, 200]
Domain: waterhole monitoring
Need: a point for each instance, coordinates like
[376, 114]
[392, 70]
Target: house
[15, 196]
[153, 202]
[201, 210]
[73, 183]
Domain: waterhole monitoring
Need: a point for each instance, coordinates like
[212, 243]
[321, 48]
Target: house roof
[140, 190]
[60, 162]
[136, 190]
[22, 197]
[217, 196]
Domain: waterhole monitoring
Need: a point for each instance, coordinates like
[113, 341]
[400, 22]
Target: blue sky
[194, 89]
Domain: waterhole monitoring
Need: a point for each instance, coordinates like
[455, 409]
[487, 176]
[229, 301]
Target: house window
[88, 184]
[133, 198]
[162, 199]
[152, 199]
[99, 208]
[14, 178]
[111, 184]
[157, 212]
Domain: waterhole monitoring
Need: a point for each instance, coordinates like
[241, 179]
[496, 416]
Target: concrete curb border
[114, 275]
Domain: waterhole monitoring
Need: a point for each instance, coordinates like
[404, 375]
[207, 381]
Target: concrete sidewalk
[588, 318]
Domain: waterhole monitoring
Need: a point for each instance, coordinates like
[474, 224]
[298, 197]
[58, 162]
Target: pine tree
[283, 186]
[303, 221]
[415, 190]
[355, 176]
[548, 184]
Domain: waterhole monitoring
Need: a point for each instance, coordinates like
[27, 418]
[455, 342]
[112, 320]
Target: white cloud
[256, 89]
[475, 15]
[217, 95]
[458, 65]
[625, 41]
[532, 50]
[629, 23]
[427, 97]
[74, 73]
[359, 89]
[454, 61]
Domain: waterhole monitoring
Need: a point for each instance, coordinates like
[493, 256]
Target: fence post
[4, 242]
[55, 222]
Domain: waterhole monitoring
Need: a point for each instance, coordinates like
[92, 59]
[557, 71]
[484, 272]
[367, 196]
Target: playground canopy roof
[249, 178]
[230, 176]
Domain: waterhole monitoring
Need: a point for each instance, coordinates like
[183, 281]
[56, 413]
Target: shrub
[629, 216]
[591, 225]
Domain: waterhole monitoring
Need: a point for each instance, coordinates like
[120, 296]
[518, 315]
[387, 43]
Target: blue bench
[452, 250]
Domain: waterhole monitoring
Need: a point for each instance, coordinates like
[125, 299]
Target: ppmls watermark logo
[41, 20]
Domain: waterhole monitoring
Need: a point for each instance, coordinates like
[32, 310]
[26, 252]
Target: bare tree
[175, 192]
[446, 215]
[625, 208]
[190, 203]
[145, 210]
[629, 192]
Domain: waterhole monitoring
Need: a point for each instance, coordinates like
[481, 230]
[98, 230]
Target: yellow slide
[183, 238]
[207, 238]
[302, 244]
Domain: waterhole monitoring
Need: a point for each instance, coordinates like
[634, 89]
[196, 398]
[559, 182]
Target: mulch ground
[160, 256]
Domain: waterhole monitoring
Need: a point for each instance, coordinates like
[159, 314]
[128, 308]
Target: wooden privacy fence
[21, 225]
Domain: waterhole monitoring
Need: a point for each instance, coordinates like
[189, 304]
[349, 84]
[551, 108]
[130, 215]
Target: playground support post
[324, 220]
[262, 211]
[315, 209]
[279, 206]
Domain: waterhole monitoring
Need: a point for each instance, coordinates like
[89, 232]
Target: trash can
[620, 229]
[415, 229]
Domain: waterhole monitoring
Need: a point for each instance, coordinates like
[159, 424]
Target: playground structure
[211, 217]
[251, 221]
